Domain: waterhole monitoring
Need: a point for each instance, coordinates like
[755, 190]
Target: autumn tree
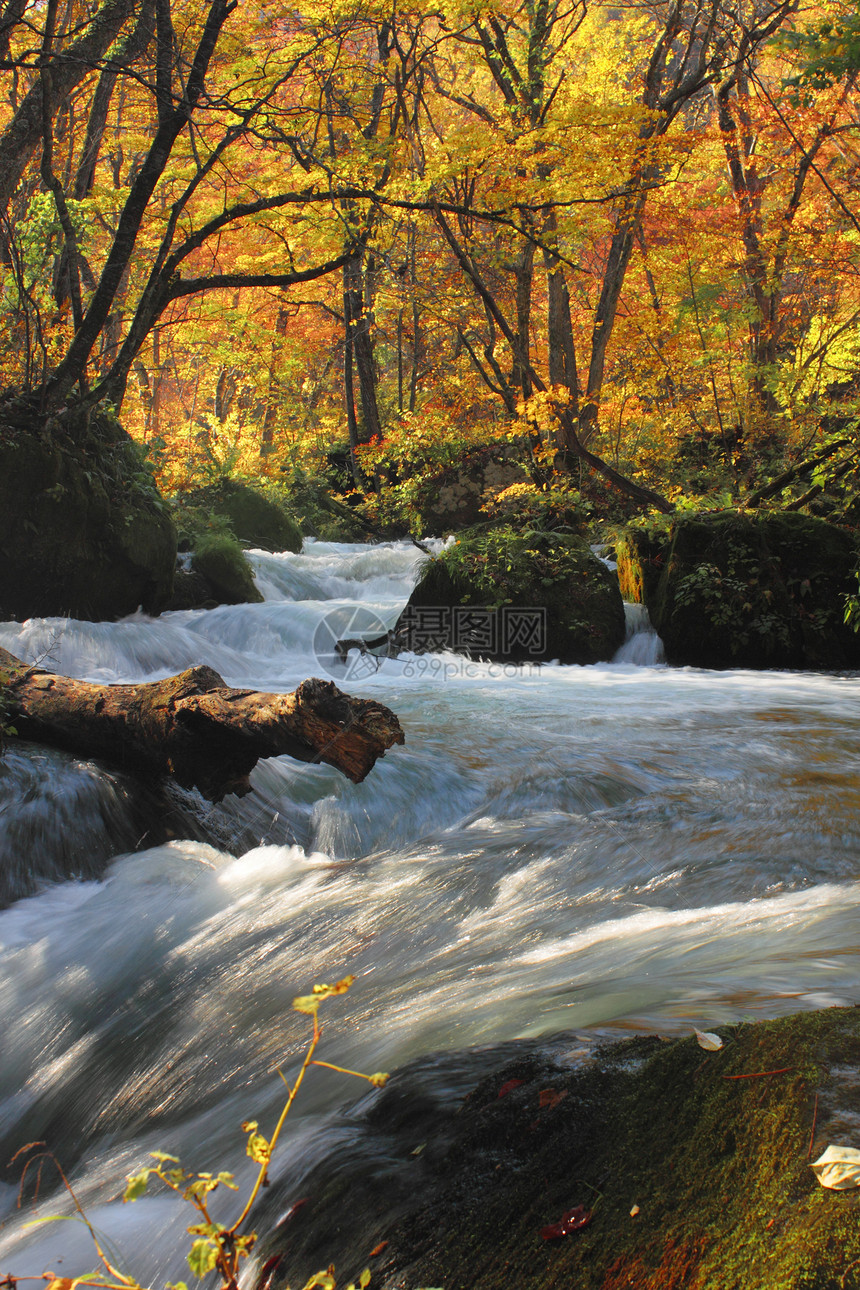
[207, 98]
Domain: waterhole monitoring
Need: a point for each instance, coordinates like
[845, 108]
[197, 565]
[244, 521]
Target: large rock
[729, 590]
[221, 564]
[515, 597]
[83, 530]
[692, 1169]
[256, 518]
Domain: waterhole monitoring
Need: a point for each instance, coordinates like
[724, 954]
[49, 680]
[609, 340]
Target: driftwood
[194, 727]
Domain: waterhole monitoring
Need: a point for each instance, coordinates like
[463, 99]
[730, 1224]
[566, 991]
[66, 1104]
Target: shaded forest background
[360, 243]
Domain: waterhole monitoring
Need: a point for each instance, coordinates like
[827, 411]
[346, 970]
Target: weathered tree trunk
[196, 728]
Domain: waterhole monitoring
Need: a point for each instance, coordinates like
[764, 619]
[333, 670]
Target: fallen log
[194, 727]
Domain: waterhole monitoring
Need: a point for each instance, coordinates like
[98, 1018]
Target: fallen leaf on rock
[377, 1249]
[267, 1271]
[710, 1043]
[573, 1221]
[550, 1097]
[288, 1214]
[509, 1086]
[634, 1211]
[838, 1168]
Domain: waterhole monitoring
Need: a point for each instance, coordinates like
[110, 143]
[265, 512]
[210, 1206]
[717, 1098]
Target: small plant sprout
[216, 1247]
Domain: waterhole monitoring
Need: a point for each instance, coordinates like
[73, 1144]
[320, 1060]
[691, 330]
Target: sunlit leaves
[310, 1003]
[258, 1147]
[136, 1185]
[202, 1257]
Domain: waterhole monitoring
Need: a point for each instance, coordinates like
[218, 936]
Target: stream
[556, 851]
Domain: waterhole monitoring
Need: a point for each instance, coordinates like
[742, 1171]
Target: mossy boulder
[694, 1167]
[716, 1163]
[516, 596]
[220, 561]
[257, 518]
[83, 529]
[728, 590]
[215, 569]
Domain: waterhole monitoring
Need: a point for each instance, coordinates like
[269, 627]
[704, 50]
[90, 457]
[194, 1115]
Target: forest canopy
[621, 238]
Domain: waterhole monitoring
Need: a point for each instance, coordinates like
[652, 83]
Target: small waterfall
[642, 646]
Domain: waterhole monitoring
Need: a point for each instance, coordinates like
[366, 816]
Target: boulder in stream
[514, 596]
[685, 1168]
[83, 529]
[730, 590]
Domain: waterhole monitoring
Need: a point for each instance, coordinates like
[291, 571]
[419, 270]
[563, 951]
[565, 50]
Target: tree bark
[194, 727]
[68, 68]
[172, 120]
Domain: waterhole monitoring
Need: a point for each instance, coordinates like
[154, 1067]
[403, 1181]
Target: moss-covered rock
[717, 1165]
[83, 529]
[221, 562]
[711, 1150]
[257, 518]
[578, 615]
[729, 590]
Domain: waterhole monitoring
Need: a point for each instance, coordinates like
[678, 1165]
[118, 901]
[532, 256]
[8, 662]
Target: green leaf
[258, 1149]
[202, 1257]
[136, 1185]
[163, 1157]
[201, 1187]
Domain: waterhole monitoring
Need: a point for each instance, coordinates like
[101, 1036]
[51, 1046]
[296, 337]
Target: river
[613, 849]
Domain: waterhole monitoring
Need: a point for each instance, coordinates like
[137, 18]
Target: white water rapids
[617, 847]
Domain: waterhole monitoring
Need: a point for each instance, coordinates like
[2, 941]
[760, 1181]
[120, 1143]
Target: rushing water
[618, 847]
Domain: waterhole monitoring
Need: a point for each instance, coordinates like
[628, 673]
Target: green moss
[221, 561]
[256, 516]
[718, 1166]
[500, 567]
[83, 529]
[728, 590]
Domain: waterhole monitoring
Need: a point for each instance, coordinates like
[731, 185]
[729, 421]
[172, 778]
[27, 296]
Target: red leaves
[550, 1097]
[573, 1221]
[509, 1086]
[267, 1271]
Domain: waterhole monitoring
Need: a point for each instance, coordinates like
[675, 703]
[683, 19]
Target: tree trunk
[359, 340]
[68, 67]
[194, 727]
